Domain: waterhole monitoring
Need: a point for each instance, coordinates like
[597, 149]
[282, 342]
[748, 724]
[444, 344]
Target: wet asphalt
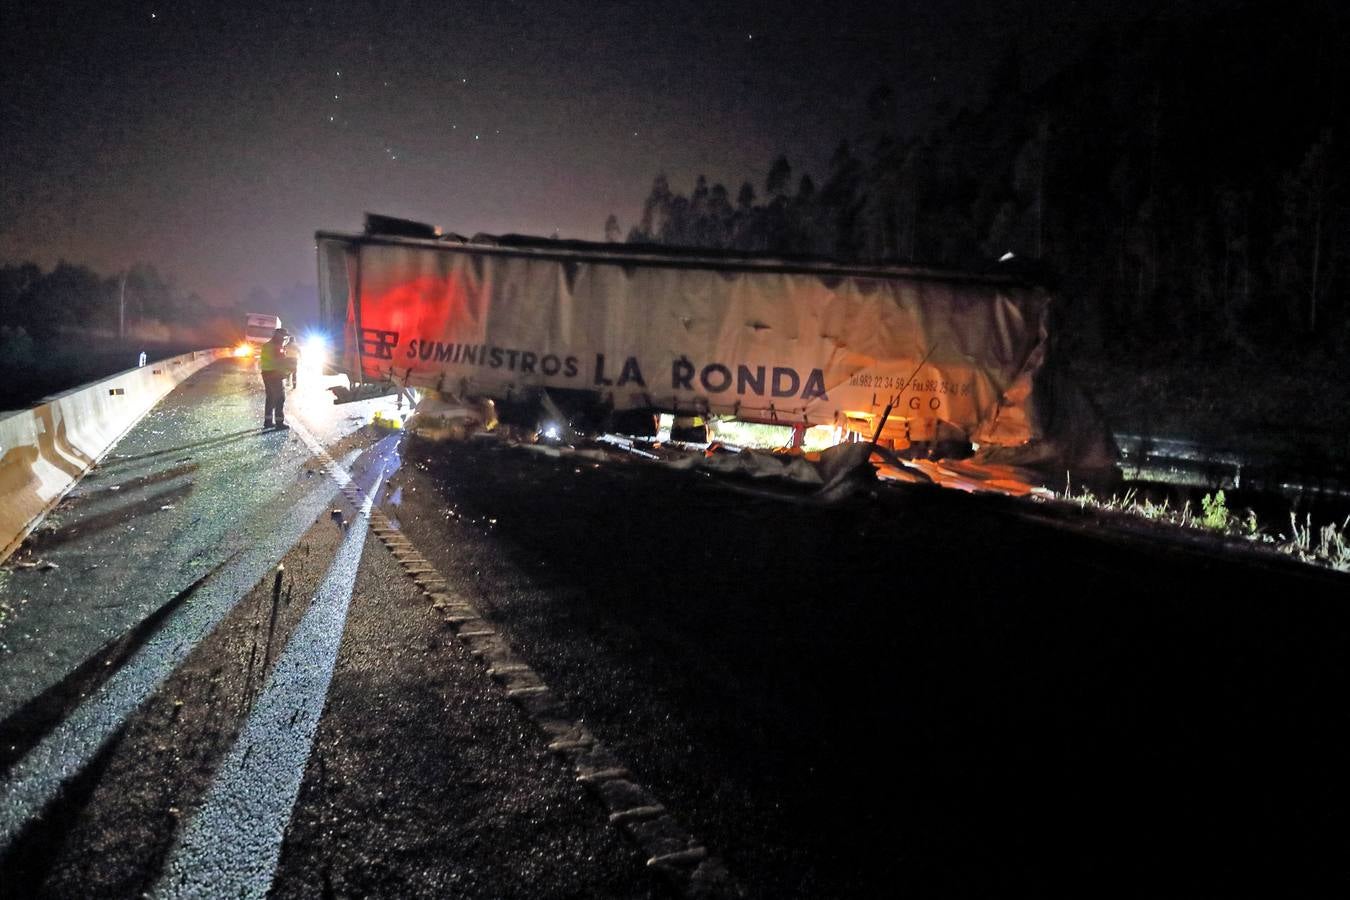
[193, 484]
[319, 732]
[922, 692]
[913, 692]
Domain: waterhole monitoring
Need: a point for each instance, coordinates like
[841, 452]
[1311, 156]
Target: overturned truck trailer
[955, 357]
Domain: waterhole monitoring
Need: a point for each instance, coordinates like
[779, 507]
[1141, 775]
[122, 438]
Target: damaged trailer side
[954, 357]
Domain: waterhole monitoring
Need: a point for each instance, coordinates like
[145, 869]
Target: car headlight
[314, 350]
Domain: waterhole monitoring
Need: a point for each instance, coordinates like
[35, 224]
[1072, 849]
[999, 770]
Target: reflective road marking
[35, 779]
[232, 844]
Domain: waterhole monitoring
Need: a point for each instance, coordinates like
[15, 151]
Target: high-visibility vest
[271, 358]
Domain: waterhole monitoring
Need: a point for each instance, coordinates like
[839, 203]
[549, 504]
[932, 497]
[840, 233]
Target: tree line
[1184, 185]
[71, 296]
[72, 305]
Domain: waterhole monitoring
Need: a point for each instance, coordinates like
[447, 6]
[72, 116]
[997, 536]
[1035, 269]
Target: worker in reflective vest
[274, 366]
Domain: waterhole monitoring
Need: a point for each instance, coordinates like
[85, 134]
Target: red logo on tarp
[377, 343]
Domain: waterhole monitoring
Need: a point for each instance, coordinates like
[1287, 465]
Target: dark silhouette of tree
[806, 190]
[745, 197]
[804, 219]
[16, 286]
[74, 299]
[68, 296]
[841, 203]
[1306, 206]
[1188, 200]
[776, 218]
[747, 224]
[656, 210]
[780, 176]
[700, 220]
[150, 295]
[721, 217]
[881, 177]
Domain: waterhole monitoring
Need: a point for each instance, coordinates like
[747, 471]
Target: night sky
[213, 139]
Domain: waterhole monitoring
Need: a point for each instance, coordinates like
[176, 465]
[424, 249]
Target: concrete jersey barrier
[46, 449]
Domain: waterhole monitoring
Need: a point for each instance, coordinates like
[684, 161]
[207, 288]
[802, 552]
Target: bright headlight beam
[314, 343]
[313, 353]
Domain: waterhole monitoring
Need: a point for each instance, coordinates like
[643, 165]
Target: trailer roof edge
[685, 258]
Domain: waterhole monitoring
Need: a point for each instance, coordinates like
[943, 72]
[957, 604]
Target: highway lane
[928, 693]
[187, 489]
[920, 692]
[231, 843]
[326, 733]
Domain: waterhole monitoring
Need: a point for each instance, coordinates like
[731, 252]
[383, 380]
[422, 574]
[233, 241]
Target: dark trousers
[274, 383]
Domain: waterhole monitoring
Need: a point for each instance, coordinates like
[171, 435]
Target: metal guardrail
[1189, 463]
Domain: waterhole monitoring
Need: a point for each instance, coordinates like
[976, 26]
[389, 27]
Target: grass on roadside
[1326, 545]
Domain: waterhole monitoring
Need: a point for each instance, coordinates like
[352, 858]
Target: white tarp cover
[765, 341]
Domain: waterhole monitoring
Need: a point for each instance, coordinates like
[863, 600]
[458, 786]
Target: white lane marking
[35, 779]
[338, 472]
[231, 846]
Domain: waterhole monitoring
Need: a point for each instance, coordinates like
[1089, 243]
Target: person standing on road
[274, 366]
[292, 355]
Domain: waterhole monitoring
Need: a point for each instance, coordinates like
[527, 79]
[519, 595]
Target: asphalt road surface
[336, 662]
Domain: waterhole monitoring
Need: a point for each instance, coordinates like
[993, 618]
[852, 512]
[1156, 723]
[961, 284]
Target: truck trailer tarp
[764, 340]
